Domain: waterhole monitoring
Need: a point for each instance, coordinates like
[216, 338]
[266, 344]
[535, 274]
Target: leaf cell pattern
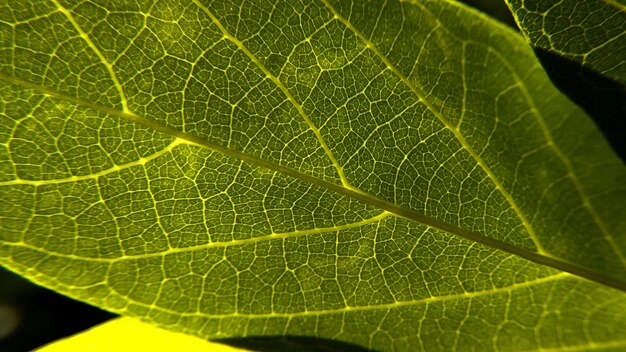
[589, 32]
[374, 172]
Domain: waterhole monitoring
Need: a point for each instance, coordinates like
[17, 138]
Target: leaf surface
[590, 32]
[397, 175]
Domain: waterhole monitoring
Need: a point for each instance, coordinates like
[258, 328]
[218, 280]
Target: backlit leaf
[590, 32]
[394, 175]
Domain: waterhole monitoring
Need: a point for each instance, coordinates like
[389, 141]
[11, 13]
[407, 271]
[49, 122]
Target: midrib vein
[617, 5]
[340, 189]
[453, 129]
[586, 201]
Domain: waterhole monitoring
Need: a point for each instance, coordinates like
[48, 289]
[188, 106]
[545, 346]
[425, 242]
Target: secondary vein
[286, 92]
[99, 54]
[455, 131]
[356, 194]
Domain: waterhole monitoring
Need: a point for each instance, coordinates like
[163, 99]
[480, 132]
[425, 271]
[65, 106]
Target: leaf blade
[588, 32]
[240, 176]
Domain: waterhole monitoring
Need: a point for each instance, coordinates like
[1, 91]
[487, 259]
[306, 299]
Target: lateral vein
[457, 134]
[286, 92]
[356, 194]
[95, 49]
[268, 237]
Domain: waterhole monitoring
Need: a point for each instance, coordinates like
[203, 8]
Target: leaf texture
[590, 32]
[396, 175]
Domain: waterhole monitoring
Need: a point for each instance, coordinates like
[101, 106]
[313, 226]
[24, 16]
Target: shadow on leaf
[602, 98]
[292, 343]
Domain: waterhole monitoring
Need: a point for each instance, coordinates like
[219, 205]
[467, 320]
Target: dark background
[31, 316]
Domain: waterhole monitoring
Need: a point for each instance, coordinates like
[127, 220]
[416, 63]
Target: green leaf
[395, 175]
[590, 32]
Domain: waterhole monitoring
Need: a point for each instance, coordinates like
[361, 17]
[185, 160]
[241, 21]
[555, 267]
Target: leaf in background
[494, 8]
[590, 32]
[375, 173]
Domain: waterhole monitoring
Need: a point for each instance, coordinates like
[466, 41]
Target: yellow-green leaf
[590, 32]
[394, 175]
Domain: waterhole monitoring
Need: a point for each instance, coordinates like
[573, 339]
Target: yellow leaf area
[131, 335]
